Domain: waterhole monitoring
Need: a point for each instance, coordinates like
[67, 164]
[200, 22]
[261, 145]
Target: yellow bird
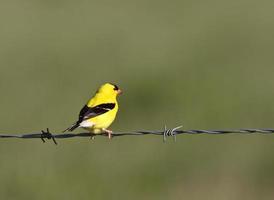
[100, 111]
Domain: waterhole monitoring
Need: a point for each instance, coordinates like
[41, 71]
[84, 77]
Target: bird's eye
[115, 87]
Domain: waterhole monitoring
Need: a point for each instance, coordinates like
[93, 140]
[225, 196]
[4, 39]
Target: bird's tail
[72, 127]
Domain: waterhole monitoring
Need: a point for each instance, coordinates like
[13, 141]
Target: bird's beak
[119, 91]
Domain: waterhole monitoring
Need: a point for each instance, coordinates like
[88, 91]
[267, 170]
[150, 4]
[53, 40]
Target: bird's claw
[109, 132]
[92, 137]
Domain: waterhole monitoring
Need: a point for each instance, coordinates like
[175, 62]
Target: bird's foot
[92, 137]
[109, 132]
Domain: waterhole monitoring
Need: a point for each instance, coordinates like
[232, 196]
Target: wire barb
[170, 132]
[48, 135]
[173, 132]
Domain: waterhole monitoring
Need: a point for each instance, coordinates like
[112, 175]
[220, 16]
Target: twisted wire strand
[165, 133]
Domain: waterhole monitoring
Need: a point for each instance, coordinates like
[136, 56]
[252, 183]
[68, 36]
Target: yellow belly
[102, 121]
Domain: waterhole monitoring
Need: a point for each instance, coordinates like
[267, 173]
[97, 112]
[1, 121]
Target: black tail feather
[72, 127]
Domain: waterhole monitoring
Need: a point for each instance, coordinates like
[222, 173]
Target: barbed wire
[165, 133]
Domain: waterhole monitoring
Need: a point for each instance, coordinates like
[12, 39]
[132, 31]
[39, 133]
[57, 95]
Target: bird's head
[109, 89]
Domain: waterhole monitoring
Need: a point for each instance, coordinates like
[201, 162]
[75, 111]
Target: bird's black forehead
[115, 87]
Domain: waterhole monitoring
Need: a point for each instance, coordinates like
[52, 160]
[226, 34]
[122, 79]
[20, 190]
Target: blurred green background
[201, 64]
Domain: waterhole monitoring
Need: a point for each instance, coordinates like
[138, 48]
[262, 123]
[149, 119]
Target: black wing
[87, 113]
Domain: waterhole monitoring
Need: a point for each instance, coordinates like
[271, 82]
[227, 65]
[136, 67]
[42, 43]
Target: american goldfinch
[100, 111]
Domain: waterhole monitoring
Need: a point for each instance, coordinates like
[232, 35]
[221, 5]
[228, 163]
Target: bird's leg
[109, 132]
[92, 137]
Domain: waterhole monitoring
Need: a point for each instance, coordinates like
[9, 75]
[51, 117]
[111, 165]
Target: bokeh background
[200, 64]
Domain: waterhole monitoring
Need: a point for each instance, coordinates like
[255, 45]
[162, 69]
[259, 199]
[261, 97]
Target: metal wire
[165, 133]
